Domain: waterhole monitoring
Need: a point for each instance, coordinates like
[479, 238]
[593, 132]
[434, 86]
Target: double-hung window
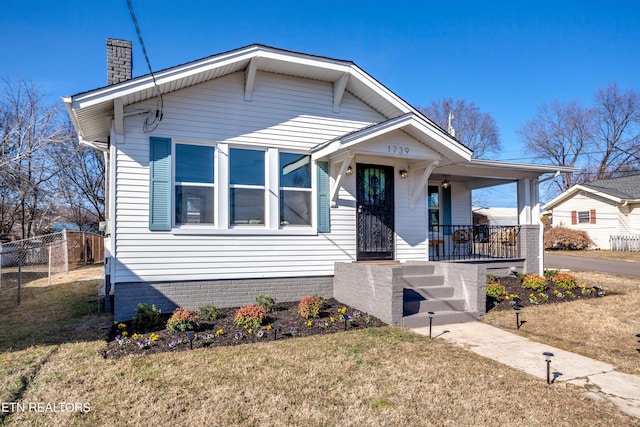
[295, 189]
[246, 187]
[194, 184]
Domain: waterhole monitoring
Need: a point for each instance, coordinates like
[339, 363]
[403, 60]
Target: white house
[602, 208]
[258, 169]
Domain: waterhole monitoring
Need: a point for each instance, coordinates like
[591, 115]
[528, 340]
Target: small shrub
[496, 290]
[309, 307]
[561, 237]
[147, 317]
[322, 300]
[250, 316]
[534, 282]
[550, 273]
[183, 320]
[267, 302]
[208, 313]
[492, 278]
[565, 281]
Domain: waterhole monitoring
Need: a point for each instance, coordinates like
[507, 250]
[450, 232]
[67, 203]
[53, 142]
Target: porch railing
[473, 242]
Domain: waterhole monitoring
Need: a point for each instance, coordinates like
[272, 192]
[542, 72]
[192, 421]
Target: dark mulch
[514, 287]
[285, 315]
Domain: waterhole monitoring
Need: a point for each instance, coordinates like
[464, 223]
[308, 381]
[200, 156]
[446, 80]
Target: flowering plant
[154, 337]
[357, 314]
[250, 316]
[294, 330]
[183, 320]
[342, 310]
[238, 336]
[122, 340]
[175, 342]
[208, 338]
[534, 282]
[565, 281]
[309, 307]
[144, 342]
[219, 332]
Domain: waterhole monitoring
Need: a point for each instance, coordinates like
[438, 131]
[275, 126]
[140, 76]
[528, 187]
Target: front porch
[474, 242]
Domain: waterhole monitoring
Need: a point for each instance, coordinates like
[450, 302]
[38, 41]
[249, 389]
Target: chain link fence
[26, 260]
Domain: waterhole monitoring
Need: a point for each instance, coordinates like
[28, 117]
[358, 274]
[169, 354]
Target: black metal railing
[473, 242]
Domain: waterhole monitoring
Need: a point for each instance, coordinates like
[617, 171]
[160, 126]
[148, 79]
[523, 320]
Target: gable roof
[91, 111]
[619, 190]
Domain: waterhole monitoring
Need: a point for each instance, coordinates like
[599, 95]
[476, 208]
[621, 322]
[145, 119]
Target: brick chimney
[119, 61]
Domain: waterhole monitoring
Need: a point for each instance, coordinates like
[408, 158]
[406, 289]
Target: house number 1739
[398, 149]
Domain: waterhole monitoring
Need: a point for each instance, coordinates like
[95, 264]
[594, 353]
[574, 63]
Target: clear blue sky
[508, 57]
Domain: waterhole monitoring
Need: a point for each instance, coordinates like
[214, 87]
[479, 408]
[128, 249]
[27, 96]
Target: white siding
[634, 218]
[284, 112]
[608, 217]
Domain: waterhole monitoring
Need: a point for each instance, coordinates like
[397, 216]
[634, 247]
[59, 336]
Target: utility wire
[152, 121]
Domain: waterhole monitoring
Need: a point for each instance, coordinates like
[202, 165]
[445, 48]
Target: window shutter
[574, 217]
[446, 209]
[592, 216]
[159, 184]
[324, 218]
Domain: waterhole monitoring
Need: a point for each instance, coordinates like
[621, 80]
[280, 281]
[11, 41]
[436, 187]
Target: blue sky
[508, 57]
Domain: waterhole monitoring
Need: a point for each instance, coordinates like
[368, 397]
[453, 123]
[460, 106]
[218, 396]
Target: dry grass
[375, 377]
[600, 328]
[614, 255]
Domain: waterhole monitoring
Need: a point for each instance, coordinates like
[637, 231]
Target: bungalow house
[607, 209]
[262, 170]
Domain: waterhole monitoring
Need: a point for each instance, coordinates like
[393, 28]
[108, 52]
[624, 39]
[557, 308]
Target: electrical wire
[153, 120]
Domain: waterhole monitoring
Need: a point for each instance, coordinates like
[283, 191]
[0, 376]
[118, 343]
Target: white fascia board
[541, 169]
[575, 189]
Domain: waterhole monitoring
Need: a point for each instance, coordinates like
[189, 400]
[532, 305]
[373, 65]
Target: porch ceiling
[479, 173]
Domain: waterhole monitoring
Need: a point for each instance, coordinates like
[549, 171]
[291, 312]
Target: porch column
[527, 200]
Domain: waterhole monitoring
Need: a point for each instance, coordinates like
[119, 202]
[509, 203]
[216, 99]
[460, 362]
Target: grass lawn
[615, 255]
[375, 377]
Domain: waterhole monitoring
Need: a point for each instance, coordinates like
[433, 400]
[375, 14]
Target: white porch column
[527, 200]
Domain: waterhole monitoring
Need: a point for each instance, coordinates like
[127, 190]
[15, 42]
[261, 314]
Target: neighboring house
[495, 216]
[268, 169]
[602, 208]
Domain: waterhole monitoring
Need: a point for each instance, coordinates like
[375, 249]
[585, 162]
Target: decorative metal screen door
[374, 212]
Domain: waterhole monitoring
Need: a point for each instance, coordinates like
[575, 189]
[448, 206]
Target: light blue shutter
[160, 184]
[324, 219]
[446, 209]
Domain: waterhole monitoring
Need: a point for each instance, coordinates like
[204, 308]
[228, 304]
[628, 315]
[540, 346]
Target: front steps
[424, 292]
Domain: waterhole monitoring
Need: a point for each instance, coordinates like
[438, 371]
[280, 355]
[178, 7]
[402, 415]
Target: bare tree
[31, 131]
[473, 128]
[604, 140]
[617, 135]
[559, 133]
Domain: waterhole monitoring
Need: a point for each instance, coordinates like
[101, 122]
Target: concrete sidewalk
[599, 379]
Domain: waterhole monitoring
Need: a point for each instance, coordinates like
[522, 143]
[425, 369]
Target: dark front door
[374, 212]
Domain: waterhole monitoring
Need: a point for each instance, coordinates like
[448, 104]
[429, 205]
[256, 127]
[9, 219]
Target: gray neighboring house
[605, 208]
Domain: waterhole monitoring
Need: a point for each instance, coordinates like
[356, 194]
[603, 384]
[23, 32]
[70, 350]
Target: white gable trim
[576, 189]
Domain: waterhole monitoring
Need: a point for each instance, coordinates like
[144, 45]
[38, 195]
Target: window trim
[309, 189]
[581, 219]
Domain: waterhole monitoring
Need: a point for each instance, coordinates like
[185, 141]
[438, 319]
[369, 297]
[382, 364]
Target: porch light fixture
[191, 336]
[431, 314]
[445, 183]
[349, 170]
[403, 173]
[547, 358]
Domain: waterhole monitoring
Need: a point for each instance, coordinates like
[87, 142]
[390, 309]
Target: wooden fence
[626, 243]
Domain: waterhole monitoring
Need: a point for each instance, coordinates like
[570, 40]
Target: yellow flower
[332, 319]
[125, 333]
[135, 336]
[342, 310]
[154, 337]
[506, 297]
[121, 326]
[219, 332]
[249, 331]
[269, 327]
[309, 323]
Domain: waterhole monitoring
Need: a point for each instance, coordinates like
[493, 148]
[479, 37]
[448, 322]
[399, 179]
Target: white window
[295, 189]
[246, 187]
[194, 184]
[584, 217]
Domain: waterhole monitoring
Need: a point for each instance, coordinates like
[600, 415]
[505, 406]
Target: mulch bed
[554, 295]
[285, 316]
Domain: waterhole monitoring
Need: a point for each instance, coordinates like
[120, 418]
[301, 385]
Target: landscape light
[191, 335]
[547, 358]
[517, 309]
[431, 314]
[275, 328]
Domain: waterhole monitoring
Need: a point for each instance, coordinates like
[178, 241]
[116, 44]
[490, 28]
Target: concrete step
[425, 305]
[436, 292]
[439, 318]
[423, 281]
[420, 269]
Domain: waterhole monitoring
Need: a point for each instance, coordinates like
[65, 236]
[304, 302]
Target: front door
[374, 212]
